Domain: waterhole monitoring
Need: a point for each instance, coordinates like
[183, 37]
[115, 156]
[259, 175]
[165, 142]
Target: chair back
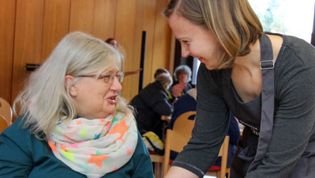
[223, 171]
[3, 124]
[6, 110]
[223, 153]
[179, 136]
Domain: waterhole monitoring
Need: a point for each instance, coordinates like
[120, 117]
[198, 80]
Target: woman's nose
[185, 52]
[116, 85]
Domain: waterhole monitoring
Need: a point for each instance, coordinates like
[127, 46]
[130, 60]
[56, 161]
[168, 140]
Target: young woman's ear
[70, 85]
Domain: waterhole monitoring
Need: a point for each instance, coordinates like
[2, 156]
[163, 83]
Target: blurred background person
[113, 42]
[185, 103]
[151, 103]
[160, 71]
[182, 75]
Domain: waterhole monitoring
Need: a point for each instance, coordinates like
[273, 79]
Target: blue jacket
[23, 155]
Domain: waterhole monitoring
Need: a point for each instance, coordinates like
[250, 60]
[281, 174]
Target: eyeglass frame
[107, 78]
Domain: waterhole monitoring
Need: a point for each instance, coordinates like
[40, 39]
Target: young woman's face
[195, 41]
[96, 97]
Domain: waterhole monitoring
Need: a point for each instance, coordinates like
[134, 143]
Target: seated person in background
[151, 103]
[185, 103]
[182, 75]
[157, 73]
[160, 71]
[73, 122]
[188, 102]
[112, 41]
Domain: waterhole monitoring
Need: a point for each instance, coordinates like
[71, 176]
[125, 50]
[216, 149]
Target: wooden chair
[223, 153]
[3, 123]
[157, 161]
[6, 111]
[178, 137]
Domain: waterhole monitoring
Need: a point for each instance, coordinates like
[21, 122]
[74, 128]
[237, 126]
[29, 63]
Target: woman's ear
[70, 85]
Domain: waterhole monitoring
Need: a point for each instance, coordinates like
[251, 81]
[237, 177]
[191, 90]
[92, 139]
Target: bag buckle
[266, 64]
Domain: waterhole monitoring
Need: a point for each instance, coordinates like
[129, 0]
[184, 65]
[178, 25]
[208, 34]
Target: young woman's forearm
[178, 172]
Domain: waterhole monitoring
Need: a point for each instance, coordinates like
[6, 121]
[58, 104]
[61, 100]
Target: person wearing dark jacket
[151, 103]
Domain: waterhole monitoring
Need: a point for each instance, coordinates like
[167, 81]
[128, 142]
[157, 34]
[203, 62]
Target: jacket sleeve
[162, 105]
[156, 99]
[210, 127]
[143, 165]
[14, 160]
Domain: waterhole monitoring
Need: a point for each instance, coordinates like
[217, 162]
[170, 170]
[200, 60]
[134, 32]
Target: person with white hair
[73, 121]
[182, 75]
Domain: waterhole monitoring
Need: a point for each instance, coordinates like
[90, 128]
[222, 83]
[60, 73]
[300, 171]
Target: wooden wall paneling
[149, 27]
[135, 78]
[55, 25]
[82, 15]
[7, 18]
[162, 39]
[125, 29]
[104, 18]
[28, 39]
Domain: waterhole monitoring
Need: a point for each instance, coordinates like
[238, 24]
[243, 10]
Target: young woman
[73, 122]
[266, 81]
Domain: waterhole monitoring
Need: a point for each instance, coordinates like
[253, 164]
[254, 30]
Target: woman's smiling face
[196, 41]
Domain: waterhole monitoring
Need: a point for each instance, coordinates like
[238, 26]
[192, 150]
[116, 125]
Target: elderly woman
[73, 122]
[182, 75]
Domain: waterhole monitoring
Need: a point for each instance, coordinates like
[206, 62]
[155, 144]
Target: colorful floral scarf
[95, 147]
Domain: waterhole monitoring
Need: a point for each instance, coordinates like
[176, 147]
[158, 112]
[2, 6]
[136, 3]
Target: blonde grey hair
[165, 79]
[233, 22]
[46, 99]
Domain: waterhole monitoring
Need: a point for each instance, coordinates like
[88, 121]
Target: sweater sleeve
[143, 165]
[210, 127]
[14, 160]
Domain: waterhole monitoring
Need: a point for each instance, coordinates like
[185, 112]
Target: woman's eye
[185, 42]
[106, 78]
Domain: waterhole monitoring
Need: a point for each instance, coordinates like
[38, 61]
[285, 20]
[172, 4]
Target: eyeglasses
[107, 78]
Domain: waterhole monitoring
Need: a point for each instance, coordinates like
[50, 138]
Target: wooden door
[7, 16]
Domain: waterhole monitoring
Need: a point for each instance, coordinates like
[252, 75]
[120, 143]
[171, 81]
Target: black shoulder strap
[267, 99]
